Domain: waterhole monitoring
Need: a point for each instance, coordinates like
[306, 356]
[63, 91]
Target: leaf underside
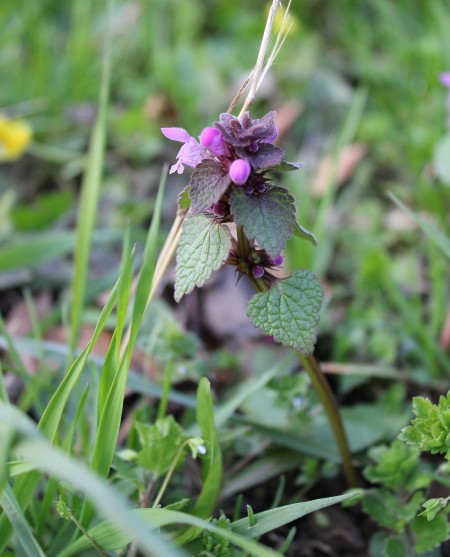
[289, 311]
[203, 247]
[268, 218]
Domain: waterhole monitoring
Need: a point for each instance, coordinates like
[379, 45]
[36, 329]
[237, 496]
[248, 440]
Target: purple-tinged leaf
[267, 155]
[245, 132]
[208, 183]
[268, 218]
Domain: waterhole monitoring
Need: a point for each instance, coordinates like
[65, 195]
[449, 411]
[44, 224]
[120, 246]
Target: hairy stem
[325, 394]
[326, 397]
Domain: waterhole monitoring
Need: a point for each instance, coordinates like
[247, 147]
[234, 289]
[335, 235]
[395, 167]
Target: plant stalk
[328, 400]
[326, 396]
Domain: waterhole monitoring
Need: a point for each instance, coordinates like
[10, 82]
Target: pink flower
[444, 78]
[240, 171]
[191, 153]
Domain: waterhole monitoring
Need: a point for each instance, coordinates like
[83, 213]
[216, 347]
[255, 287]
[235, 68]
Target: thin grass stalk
[90, 194]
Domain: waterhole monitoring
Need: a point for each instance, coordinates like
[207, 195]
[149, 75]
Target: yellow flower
[15, 135]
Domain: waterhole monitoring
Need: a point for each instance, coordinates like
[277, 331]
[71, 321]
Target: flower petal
[192, 153]
[176, 134]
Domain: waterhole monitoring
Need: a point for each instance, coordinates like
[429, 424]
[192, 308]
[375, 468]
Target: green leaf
[208, 183]
[382, 545]
[395, 547]
[184, 201]
[430, 534]
[212, 468]
[160, 442]
[268, 218]
[437, 236]
[45, 209]
[396, 466]
[285, 166]
[442, 159]
[289, 311]
[430, 430]
[433, 507]
[386, 508]
[301, 232]
[29, 250]
[203, 247]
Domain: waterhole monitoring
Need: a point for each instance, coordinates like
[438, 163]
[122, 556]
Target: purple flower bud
[257, 271]
[276, 260]
[240, 171]
[212, 139]
[219, 209]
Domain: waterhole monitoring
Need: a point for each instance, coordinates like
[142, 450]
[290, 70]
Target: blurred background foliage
[357, 90]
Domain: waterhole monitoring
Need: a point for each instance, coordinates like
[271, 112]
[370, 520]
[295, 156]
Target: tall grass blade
[51, 418]
[109, 503]
[107, 536]
[90, 193]
[212, 470]
[111, 414]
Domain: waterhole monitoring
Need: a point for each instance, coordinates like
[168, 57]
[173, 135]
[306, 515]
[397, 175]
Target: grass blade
[212, 470]
[111, 414]
[213, 467]
[90, 193]
[110, 504]
[437, 236]
[51, 418]
[107, 536]
[23, 534]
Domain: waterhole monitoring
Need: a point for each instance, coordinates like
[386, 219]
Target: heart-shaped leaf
[203, 247]
[289, 311]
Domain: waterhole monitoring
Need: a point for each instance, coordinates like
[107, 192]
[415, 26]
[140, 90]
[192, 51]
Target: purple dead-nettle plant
[233, 182]
[233, 212]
